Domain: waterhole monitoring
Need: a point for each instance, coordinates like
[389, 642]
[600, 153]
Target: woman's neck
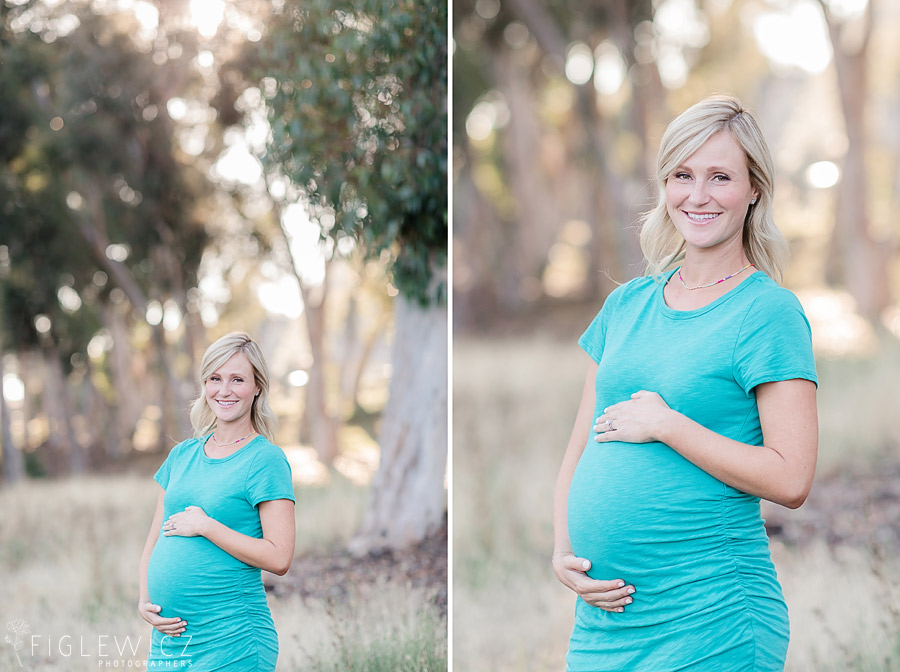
[227, 433]
[701, 267]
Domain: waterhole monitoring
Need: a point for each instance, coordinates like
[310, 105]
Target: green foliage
[87, 159]
[357, 93]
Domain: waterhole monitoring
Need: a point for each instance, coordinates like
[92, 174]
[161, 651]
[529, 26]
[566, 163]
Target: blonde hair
[764, 245]
[262, 417]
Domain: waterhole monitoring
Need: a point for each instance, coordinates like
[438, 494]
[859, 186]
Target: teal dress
[706, 595]
[229, 626]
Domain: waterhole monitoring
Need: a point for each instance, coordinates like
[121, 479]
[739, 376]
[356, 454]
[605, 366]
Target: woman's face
[230, 390]
[708, 195]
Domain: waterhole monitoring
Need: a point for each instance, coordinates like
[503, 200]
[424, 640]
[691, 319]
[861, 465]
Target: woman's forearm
[577, 441]
[781, 470]
[757, 470]
[273, 552]
[143, 592]
[152, 537]
[261, 553]
[561, 543]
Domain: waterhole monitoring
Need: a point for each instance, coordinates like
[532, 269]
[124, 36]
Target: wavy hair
[764, 245]
[262, 417]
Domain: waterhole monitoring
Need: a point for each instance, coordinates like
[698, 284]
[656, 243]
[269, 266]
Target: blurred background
[558, 111]
[170, 171]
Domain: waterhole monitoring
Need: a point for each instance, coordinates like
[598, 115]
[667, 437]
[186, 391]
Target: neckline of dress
[227, 457]
[696, 312]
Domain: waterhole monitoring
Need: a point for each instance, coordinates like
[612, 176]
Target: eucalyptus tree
[357, 99]
[98, 205]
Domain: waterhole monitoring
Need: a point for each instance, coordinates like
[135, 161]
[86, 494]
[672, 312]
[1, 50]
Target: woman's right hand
[612, 595]
[173, 627]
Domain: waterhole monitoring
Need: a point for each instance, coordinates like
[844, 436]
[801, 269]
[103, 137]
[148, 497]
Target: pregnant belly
[637, 509]
[191, 578]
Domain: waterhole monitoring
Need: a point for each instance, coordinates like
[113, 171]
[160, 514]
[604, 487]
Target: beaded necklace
[215, 441]
[727, 277]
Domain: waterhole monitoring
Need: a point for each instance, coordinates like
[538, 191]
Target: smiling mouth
[226, 404]
[701, 216]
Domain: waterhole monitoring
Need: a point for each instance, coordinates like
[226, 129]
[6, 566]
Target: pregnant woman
[699, 401]
[225, 511]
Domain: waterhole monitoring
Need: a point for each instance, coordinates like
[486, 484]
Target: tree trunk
[58, 406]
[13, 464]
[319, 418]
[536, 224]
[179, 406]
[321, 421]
[608, 209]
[853, 254]
[361, 347]
[408, 499]
[128, 404]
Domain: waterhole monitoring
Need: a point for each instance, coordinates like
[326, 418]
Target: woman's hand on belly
[188, 523]
[638, 420]
[607, 595]
[168, 626]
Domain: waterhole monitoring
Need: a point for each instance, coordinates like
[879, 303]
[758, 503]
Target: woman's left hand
[188, 523]
[638, 420]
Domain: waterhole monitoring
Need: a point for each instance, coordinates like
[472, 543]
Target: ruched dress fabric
[222, 599]
[707, 598]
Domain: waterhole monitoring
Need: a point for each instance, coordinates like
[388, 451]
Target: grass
[514, 404]
[69, 552]
[396, 633]
[858, 407]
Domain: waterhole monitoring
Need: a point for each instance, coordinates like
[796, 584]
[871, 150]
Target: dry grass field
[514, 404]
[69, 552]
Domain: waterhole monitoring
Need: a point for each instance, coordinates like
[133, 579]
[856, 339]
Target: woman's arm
[577, 442]
[273, 553]
[569, 569]
[149, 611]
[781, 470]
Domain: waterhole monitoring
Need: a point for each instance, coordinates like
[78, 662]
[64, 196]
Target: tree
[358, 116]
[97, 216]
[555, 150]
[855, 257]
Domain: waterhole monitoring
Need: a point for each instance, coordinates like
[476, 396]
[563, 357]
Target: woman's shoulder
[637, 289]
[766, 305]
[768, 296]
[265, 449]
[187, 446]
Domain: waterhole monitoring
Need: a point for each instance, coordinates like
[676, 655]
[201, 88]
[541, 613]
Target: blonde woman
[700, 399]
[225, 511]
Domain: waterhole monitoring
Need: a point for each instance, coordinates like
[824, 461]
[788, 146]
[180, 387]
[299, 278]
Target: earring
[752, 201]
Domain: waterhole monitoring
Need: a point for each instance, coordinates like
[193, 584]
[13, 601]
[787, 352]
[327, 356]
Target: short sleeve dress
[707, 598]
[222, 599]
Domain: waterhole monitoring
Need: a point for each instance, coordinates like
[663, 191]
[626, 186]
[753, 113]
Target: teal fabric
[229, 626]
[707, 598]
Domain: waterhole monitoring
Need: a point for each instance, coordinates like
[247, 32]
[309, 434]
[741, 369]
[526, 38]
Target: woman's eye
[722, 178]
[682, 176]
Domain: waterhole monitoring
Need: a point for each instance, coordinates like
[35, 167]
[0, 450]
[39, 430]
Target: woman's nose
[699, 194]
